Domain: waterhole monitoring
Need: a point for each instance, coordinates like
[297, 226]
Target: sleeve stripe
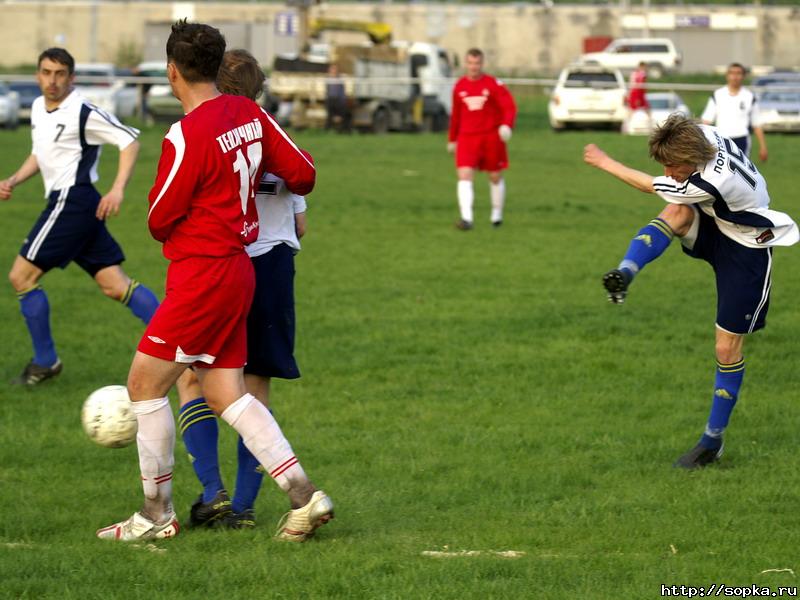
[174, 135]
[286, 137]
[129, 130]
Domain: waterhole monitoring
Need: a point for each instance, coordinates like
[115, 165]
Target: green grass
[460, 391]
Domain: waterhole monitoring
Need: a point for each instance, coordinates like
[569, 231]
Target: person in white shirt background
[733, 110]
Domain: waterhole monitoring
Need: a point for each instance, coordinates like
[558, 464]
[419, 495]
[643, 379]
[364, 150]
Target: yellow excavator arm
[379, 33]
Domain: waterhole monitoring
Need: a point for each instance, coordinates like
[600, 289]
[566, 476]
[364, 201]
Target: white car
[587, 95]
[9, 107]
[780, 105]
[98, 83]
[662, 105]
[625, 54]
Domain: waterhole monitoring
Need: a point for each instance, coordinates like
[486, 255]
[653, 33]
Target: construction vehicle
[397, 86]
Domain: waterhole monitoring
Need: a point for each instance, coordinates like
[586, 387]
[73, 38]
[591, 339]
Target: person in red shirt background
[202, 208]
[481, 122]
[637, 98]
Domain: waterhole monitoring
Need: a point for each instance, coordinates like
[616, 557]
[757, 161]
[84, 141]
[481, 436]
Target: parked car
[780, 108]
[28, 91]
[625, 54]
[160, 104]
[104, 89]
[587, 95]
[662, 106]
[9, 107]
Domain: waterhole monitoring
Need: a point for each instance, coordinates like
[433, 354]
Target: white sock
[156, 443]
[465, 198]
[497, 191]
[264, 438]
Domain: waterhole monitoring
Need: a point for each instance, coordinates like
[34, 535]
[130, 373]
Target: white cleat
[299, 524]
[139, 527]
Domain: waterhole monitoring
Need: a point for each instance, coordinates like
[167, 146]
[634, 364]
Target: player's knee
[679, 217]
[20, 280]
[729, 350]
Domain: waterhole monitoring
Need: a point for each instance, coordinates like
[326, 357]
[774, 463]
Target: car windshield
[784, 97]
[81, 74]
[584, 79]
[662, 103]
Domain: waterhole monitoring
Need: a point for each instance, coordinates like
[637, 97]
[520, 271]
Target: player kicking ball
[480, 125]
[202, 209]
[718, 206]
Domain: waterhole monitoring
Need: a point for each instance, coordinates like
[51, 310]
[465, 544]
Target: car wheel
[655, 71]
[380, 121]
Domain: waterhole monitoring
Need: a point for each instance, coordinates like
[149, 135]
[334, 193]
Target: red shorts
[483, 151]
[203, 319]
[637, 100]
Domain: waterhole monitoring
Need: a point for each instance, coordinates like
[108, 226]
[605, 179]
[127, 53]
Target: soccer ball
[108, 417]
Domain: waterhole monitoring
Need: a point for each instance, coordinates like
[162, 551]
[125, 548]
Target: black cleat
[497, 224]
[241, 520]
[463, 225]
[34, 374]
[698, 457]
[616, 283]
[207, 514]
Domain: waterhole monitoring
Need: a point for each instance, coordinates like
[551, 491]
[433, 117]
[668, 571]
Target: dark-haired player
[67, 135]
[202, 209]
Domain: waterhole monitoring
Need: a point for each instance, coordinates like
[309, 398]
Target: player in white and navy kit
[733, 110]
[270, 329]
[719, 207]
[67, 134]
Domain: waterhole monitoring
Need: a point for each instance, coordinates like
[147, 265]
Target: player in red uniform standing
[480, 125]
[637, 98]
[202, 208]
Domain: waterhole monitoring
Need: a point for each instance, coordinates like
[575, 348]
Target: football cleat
[616, 283]
[698, 457]
[206, 514]
[241, 520]
[497, 224]
[463, 225]
[299, 524]
[139, 527]
[34, 373]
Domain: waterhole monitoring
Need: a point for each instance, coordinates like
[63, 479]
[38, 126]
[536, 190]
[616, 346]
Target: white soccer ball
[108, 417]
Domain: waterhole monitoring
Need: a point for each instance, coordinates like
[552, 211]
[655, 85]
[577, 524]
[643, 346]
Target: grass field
[461, 391]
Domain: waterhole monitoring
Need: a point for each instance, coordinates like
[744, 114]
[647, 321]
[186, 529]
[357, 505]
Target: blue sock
[199, 429]
[650, 243]
[248, 479]
[142, 302]
[36, 310]
[726, 391]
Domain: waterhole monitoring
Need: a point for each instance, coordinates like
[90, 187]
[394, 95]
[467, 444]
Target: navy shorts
[270, 324]
[68, 230]
[743, 277]
[743, 143]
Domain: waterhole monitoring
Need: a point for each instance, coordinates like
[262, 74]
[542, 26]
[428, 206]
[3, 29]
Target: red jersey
[203, 199]
[480, 106]
[636, 97]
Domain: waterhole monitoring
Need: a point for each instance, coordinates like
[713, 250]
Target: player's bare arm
[762, 144]
[110, 203]
[594, 156]
[28, 169]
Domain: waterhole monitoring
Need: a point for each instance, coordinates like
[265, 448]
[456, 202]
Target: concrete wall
[518, 39]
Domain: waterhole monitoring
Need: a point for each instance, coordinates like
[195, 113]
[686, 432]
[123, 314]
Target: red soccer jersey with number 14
[203, 199]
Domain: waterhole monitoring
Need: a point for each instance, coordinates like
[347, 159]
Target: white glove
[504, 131]
[451, 147]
